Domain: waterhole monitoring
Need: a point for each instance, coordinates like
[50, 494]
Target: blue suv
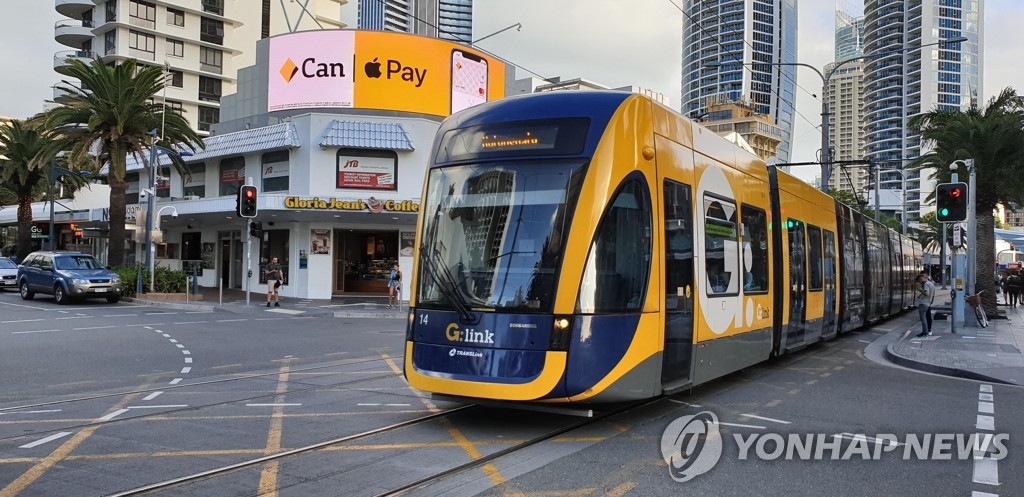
[67, 275]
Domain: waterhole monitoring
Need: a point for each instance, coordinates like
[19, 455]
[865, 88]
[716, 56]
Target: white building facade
[901, 84]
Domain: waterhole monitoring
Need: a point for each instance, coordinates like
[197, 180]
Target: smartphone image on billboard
[469, 80]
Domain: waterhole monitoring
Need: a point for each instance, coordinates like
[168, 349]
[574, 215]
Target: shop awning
[248, 141]
[1014, 237]
[353, 134]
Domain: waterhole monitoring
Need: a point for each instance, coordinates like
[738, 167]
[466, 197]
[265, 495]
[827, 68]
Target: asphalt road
[99, 399]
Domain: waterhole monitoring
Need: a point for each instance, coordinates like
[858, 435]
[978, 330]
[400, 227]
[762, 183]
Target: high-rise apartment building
[746, 37]
[446, 19]
[202, 43]
[904, 79]
[845, 99]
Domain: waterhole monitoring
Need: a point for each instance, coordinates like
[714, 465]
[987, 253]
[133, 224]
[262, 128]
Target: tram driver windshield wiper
[445, 282]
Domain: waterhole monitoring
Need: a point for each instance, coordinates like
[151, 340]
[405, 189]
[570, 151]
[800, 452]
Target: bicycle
[979, 311]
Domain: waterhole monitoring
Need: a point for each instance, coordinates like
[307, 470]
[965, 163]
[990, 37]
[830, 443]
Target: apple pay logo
[691, 445]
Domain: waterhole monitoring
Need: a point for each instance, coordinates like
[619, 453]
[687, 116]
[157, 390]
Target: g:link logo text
[455, 334]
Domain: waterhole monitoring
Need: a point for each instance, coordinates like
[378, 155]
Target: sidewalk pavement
[358, 306]
[987, 354]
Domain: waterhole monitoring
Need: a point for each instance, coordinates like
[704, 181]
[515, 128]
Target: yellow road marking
[620, 490]
[62, 452]
[558, 493]
[268, 475]
[468, 447]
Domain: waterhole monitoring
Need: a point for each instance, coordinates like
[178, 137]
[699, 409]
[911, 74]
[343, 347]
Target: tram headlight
[561, 332]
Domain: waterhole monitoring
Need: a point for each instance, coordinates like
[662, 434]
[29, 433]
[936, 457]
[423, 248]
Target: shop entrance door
[363, 261]
[231, 254]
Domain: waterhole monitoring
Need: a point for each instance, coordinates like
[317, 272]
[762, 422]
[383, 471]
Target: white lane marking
[186, 370]
[118, 315]
[992, 355]
[147, 327]
[180, 346]
[93, 328]
[191, 322]
[31, 412]
[41, 441]
[29, 307]
[230, 320]
[762, 418]
[982, 494]
[986, 423]
[398, 405]
[69, 317]
[368, 405]
[986, 388]
[286, 311]
[172, 340]
[268, 319]
[851, 436]
[114, 414]
[166, 335]
[188, 360]
[152, 396]
[62, 312]
[186, 352]
[21, 321]
[986, 407]
[35, 331]
[986, 471]
[271, 405]
[863, 341]
[985, 396]
[169, 406]
[741, 426]
[175, 381]
[684, 403]
[198, 312]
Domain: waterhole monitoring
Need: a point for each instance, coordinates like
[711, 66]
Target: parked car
[67, 276]
[8, 274]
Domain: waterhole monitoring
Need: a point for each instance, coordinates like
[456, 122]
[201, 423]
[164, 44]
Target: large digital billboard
[379, 70]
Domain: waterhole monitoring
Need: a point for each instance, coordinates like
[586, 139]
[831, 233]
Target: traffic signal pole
[248, 252]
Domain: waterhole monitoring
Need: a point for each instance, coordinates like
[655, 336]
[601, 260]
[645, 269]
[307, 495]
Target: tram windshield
[493, 235]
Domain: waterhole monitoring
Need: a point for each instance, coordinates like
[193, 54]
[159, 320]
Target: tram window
[814, 258]
[615, 276]
[755, 249]
[720, 246]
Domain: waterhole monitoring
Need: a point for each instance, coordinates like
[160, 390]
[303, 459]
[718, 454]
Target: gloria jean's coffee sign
[336, 204]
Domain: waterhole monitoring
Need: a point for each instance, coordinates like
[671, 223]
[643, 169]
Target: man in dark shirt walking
[275, 277]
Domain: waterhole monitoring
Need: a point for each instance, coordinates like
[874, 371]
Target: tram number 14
[424, 318]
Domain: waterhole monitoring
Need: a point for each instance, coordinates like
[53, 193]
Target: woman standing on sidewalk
[1013, 288]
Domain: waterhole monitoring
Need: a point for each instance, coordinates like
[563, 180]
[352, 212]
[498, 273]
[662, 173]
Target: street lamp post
[53, 180]
[154, 152]
[826, 153]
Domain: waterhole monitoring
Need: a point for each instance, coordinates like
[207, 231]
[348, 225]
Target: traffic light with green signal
[951, 202]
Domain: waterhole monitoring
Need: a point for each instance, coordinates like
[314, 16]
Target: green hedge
[166, 280]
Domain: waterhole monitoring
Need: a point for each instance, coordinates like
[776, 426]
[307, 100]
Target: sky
[612, 42]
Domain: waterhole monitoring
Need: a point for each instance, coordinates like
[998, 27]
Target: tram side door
[830, 284]
[678, 243]
[797, 283]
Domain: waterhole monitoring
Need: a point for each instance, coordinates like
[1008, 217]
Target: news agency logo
[691, 445]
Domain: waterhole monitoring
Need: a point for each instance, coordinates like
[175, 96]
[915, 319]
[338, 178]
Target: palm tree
[994, 138]
[929, 234]
[26, 152]
[108, 116]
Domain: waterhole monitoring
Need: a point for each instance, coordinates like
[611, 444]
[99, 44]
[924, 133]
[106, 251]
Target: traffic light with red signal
[247, 197]
[951, 202]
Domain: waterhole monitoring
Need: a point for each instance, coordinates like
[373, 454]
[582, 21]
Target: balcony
[62, 60]
[73, 8]
[72, 33]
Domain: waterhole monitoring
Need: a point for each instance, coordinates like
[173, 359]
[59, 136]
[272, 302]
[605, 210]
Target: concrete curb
[941, 370]
[181, 306]
[369, 315]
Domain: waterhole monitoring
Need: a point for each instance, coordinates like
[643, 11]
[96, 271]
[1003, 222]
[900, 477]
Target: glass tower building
[901, 83]
[445, 19]
[746, 37]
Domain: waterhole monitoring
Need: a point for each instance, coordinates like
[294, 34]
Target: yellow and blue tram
[599, 247]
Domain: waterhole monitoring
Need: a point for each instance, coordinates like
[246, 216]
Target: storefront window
[275, 171]
[195, 182]
[274, 244]
[131, 193]
[192, 252]
[163, 184]
[232, 175]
